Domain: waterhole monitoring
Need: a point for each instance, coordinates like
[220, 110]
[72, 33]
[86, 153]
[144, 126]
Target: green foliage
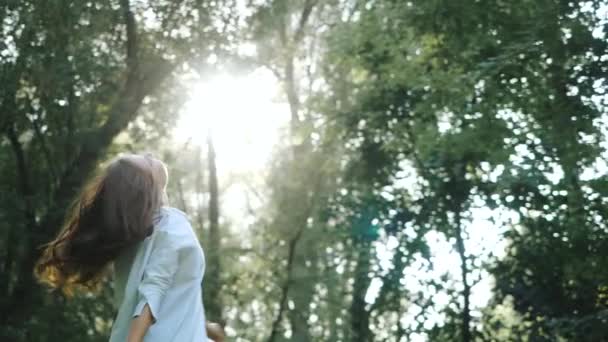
[458, 89]
[407, 119]
[75, 74]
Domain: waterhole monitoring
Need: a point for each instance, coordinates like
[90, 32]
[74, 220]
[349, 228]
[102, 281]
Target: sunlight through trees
[355, 170]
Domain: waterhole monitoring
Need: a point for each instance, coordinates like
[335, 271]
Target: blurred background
[356, 170]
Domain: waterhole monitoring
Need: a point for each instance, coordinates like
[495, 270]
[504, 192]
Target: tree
[214, 306]
[407, 118]
[70, 87]
[507, 92]
[541, 66]
[298, 191]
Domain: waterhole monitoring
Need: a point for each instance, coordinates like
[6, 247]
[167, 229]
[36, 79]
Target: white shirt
[165, 271]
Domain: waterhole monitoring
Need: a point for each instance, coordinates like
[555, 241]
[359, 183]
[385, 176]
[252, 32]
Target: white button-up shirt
[165, 271]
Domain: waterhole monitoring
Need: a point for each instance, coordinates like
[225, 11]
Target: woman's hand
[215, 332]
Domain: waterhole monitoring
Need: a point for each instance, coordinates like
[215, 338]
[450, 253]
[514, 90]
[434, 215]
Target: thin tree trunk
[300, 291]
[26, 192]
[464, 272]
[391, 290]
[302, 287]
[286, 286]
[181, 196]
[200, 191]
[359, 315]
[213, 282]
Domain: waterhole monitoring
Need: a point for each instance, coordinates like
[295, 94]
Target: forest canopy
[355, 170]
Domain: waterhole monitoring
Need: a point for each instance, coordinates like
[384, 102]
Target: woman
[158, 263]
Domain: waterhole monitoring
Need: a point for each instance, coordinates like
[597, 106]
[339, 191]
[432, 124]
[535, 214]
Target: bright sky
[243, 114]
[246, 121]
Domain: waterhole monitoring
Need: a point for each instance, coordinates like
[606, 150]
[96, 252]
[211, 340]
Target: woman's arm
[140, 325]
[157, 277]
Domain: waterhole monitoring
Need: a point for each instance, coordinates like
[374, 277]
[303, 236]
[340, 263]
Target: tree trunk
[359, 315]
[286, 286]
[212, 280]
[299, 285]
[302, 288]
[464, 272]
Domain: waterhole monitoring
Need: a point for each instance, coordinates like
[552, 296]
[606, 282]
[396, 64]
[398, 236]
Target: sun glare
[242, 114]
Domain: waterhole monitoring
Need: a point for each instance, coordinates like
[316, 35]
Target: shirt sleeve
[158, 274]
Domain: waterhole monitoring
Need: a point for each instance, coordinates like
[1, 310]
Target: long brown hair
[114, 211]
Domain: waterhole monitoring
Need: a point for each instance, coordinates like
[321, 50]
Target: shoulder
[174, 222]
[173, 230]
[175, 212]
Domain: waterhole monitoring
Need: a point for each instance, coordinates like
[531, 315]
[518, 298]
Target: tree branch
[306, 11]
[131, 31]
[23, 180]
[293, 243]
[45, 151]
[26, 191]
[285, 288]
